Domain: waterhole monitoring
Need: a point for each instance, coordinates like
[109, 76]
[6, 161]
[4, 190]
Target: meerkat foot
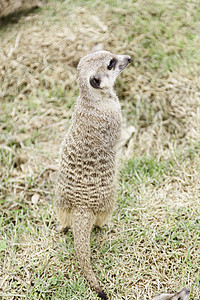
[97, 227]
[61, 229]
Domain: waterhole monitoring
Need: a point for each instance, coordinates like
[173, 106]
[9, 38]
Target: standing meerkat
[181, 295]
[9, 6]
[87, 176]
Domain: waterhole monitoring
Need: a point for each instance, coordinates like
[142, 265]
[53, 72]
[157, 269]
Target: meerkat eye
[112, 64]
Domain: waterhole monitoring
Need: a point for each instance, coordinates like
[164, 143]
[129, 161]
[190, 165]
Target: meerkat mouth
[125, 63]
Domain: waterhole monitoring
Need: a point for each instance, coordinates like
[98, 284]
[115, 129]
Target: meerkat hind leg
[60, 228]
[65, 220]
[101, 219]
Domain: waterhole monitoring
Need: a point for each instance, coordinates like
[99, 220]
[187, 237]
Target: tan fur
[9, 6]
[87, 177]
[181, 295]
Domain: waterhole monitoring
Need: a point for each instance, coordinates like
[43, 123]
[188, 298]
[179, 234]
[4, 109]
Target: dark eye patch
[112, 64]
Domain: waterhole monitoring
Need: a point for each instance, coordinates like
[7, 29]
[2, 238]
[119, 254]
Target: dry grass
[153, 241]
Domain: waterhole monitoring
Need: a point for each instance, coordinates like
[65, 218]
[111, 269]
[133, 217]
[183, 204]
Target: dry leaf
[35, 198]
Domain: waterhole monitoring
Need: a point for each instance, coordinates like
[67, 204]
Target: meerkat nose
[186, 290]
[129, 59]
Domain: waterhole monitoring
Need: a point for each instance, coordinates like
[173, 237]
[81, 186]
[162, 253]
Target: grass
[152, 243]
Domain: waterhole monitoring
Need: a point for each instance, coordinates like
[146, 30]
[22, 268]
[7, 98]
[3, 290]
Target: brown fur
[181, 295]
[87, 177]
[9, 6]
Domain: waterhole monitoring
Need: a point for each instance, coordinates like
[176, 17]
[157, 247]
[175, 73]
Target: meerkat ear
[95, 81]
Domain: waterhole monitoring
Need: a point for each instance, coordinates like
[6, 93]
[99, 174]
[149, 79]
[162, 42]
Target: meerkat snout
[125, 61]
[181, 295]
[87, 176]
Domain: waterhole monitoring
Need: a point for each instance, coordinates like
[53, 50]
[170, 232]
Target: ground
[152, 242]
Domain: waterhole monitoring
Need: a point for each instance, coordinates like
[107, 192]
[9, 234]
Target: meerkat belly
[88, 164]
[87, 175]
[87, 180]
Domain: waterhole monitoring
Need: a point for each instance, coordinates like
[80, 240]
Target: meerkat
[87, 177]
[9, 6]
[181, 295]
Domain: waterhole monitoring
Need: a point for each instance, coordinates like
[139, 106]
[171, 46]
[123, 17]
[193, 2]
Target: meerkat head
[181, 295]
[98, 71]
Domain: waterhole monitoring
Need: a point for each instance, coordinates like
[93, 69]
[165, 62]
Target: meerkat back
[181, 295]
[9, 6]
[87, 176]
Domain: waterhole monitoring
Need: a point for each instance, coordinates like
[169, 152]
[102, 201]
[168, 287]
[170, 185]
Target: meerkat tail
[82, 222]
